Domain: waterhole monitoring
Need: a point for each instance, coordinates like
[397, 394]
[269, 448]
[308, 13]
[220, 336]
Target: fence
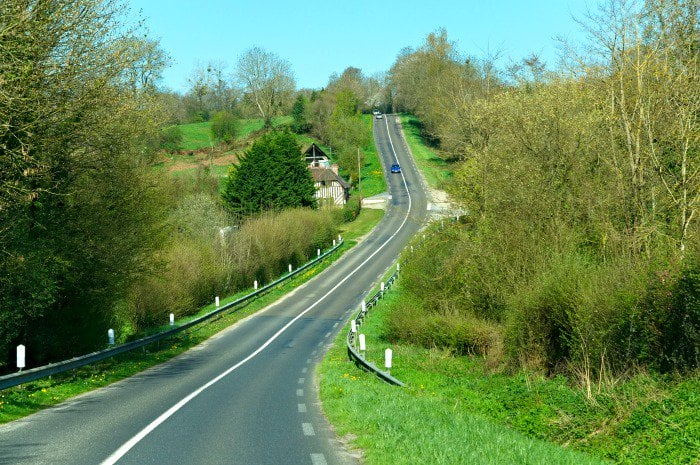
[33, 374]
[351, 341]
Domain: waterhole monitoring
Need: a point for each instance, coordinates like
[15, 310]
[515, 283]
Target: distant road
[247, 395]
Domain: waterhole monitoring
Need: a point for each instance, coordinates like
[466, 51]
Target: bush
[224, 126]
[171, 139]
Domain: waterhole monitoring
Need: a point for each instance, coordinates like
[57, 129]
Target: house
[331, 189]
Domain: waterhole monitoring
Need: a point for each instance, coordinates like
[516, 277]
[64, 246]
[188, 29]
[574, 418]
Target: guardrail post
[110, 336]
[216, 301]
[172, 319]
[21, 359]
[255, 284]
[387, 360]
[363, 346]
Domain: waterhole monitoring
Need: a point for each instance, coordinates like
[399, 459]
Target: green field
[435, 169]
[196, 136]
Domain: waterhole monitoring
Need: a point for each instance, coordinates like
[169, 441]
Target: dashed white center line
[301, 408]
[300, 392]
[301, 380]
[308, 429]
[318, 459]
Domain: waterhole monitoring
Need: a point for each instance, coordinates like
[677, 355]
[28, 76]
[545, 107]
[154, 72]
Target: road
[247, 395]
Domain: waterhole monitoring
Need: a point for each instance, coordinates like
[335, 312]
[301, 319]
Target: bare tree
[267, 81]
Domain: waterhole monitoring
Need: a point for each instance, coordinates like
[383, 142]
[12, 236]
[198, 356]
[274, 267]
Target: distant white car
[375, 112]
[379, 116]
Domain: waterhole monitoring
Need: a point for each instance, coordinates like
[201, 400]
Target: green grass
[435, 169]
[373, 181]
[645, 420]
[31, 397]
[363, 224]
[196, 136]
[426, 419]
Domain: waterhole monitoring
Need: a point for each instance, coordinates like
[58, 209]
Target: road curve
[247, 395]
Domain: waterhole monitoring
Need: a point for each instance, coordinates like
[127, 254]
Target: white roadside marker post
[381, 289]
[333, 242]
[216, 301]
[172, 319]
[363, 347]
[110, 336]
[387, 360]
[255, 284]
[318, 252]
[398, 266]
[21, 357]
[289, 267]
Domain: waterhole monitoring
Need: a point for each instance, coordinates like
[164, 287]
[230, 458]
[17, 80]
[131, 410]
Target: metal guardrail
[33, 374]
[353, 354]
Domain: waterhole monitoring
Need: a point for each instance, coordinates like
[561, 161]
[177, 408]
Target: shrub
[224, 126]
[171, 139]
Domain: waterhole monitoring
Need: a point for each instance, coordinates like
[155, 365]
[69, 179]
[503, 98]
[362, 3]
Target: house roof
[327, 174]
[314, 151]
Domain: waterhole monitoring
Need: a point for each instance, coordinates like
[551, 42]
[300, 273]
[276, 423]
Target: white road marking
[335, 325]
[301, 380]
[318, 459]
[308, 429]
[301, 408]
[308, 360]
[128, 445]
[304, 370]
[300, 392]
[327, 334]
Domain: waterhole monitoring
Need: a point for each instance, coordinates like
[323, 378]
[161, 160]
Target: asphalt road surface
[246, 396]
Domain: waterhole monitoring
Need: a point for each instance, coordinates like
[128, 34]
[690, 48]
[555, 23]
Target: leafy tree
[267, 81]
[270, 176]
[224, 126]
[79, 213]
[299, 123]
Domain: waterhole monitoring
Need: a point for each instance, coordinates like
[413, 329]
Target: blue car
[395, 168]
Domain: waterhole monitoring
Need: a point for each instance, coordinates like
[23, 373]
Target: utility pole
[359, 177]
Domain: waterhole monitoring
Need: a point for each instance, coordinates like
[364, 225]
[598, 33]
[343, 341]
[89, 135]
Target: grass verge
[434, 168]
[455, 411]
[373, 181]
[23, 400]
[394, 425]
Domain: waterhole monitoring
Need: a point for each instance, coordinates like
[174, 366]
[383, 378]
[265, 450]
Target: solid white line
[128, 445]
[318, 459]
[301, 408]
[308, 429]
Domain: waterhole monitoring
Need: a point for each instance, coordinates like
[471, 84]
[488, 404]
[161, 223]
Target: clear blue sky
[322, 37]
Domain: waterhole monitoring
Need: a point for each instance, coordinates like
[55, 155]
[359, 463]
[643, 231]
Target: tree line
[579, 253]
